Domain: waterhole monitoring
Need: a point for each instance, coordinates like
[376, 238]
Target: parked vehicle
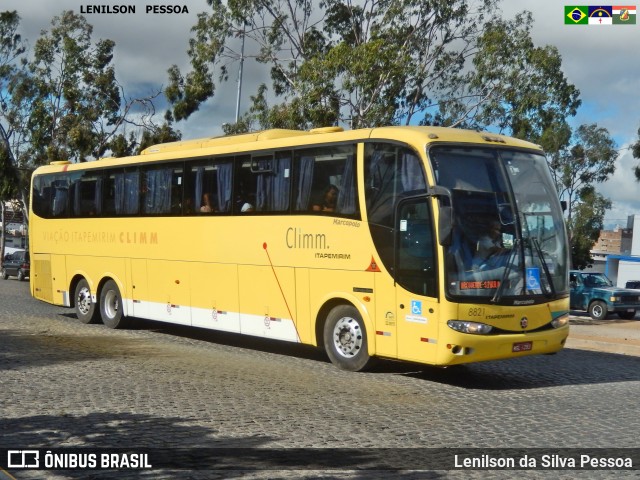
[16, 264]
[596, 294]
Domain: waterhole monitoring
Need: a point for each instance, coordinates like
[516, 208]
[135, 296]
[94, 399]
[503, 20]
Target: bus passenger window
[325, 181]
[208, 187]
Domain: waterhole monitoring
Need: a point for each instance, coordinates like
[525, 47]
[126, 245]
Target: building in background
[619, 251]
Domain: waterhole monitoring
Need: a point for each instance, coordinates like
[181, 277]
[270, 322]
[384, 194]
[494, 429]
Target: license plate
[522, 347]
[630, 310]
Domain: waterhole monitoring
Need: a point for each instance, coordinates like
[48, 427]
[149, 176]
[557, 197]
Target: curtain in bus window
[280, 193]
[98, 196]
[127, 193]
[158, 193]
[305, 182]
[272, 192]
[77, 193]
[225, 182]
[60, 198]
[347, 195]
[198, 193]
[411, 173]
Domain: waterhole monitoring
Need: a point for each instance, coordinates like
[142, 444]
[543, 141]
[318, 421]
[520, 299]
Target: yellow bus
[431, 245]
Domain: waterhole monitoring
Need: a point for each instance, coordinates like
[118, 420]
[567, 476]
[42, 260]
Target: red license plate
[522, 347]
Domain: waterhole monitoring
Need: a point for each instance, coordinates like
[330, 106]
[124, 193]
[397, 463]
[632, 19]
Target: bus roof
[268, 139]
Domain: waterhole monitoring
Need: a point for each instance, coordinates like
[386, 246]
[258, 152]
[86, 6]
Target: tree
[381, 62]
[581, 161]
[65, 102]
[586, 226]
[589, 160]
[361, 63]
[516, 86]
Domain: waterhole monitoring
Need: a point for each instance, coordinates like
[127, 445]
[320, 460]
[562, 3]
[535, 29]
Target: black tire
[21, 276]
[627, 315]
[345, 339]
[4, 274]
[86, 310]
[111, 306]
[598, 310]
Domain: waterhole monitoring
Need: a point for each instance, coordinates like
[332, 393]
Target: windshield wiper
[507, 270]
[545, 268]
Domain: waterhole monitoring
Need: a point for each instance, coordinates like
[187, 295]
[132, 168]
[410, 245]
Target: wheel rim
[84, 301]
[597, 310]
[111, 304]
[347, 337]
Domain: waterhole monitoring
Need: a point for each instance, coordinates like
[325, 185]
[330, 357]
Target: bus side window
[60, 206]
[326, 181]
[42, 196]
[272, 182]
[390, 172]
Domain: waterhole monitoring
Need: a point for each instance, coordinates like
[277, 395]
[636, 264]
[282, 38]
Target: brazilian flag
[576, 15]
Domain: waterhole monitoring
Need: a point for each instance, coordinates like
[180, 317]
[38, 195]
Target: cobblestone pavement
[68, 385]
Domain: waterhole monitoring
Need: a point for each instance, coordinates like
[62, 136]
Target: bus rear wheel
[85, 306]
[345, 339]
[111, 306]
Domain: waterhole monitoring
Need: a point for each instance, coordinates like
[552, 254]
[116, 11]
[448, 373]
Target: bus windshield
[508, 238]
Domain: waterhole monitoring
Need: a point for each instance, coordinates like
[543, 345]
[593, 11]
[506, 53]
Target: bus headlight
[561, 321]
[470, 327]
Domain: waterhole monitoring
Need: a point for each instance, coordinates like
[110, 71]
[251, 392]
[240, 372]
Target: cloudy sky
[603, 63]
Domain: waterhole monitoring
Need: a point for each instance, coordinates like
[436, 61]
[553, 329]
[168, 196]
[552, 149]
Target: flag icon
[601, 15]
[624, 15]
[576, 15]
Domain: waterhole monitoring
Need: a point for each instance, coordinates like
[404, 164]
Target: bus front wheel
[85, 307]
[345, 339]
[111, 306]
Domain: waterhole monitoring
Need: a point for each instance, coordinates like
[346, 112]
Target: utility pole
[240, 78]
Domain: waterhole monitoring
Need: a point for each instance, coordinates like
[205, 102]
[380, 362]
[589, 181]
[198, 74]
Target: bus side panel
[418, 324]
[139, 293]
[302, 313]
[41, 277]
[214, 296]
[59, 281]
[267, 302]
[169, 291]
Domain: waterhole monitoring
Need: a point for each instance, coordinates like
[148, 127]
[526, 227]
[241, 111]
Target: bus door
[415, 277]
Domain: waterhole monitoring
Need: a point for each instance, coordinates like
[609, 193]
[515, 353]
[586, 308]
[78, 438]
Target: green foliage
[587, 159]
[586, 225]
[8, 175]
[379, 62]
[523, 89]
[71, 92]
[578, 162]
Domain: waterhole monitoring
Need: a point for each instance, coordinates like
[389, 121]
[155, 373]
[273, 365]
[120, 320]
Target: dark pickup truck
[595, 293]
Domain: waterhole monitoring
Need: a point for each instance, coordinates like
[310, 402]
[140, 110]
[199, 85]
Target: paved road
[68, 385]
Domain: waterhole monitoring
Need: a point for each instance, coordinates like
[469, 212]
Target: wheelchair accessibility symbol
[416, 307]
[533, 278]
